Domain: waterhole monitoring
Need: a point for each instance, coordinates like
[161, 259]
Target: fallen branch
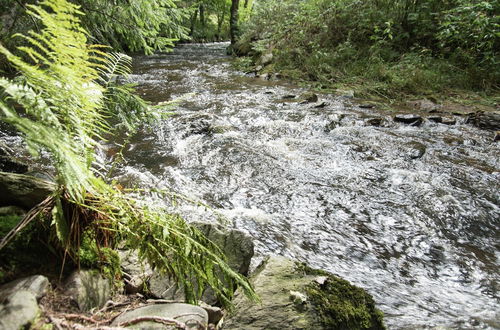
[80, 317]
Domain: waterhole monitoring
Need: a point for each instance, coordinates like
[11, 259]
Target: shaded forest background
[386, 49]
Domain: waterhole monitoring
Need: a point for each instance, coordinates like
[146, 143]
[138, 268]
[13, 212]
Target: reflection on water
[409, 213]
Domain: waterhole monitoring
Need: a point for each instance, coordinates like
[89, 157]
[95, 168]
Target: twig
[30, 216]
[164, 301]
[55, 322]
[80, 317]
[162, 320]
[111, 304]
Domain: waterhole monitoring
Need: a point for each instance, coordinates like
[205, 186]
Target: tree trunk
[193, 22]
[233, 21]
[202, 17]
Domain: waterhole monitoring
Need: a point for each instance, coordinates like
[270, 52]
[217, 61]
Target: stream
[411, 214]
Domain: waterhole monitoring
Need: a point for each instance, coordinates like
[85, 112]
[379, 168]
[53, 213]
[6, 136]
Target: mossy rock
[339, 304]
[295, 296]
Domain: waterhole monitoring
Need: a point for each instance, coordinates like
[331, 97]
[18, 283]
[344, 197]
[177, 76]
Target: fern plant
[66, 93]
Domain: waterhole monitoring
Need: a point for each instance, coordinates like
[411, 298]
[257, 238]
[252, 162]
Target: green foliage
[59, 107]
[390, 47]
[138, 25]
[473, 28]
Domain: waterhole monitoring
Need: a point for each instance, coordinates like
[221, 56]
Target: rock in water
[88, 289]
[23, 190]
[294, 298]
[193, 316]
[309, 97]
[409, 119]
[486, 120]
[18, 310]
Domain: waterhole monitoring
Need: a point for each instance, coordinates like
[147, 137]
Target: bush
[397, 47]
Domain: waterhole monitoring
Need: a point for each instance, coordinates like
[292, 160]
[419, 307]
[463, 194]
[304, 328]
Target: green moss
[105, 259]
[341, 305]
[7, 222]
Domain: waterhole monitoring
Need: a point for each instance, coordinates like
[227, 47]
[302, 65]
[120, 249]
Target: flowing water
[409, 213]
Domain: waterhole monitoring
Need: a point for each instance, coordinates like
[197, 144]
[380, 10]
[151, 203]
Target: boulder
[193, 317]
[136, 273]
[486, 120]
[408, 119]
[88, 289]
[295, 296]
[38, 285]
[23, 190]
[236, 245]
[18, 310]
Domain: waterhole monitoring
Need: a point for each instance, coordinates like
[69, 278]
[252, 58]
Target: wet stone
[414, 150]
[321, 105]
[373, 122]
[486, 120]
[408, 119]
[309, 97]
[448, 121]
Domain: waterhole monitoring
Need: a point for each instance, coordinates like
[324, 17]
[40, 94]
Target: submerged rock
[408, 119]
[88, 289]
[374, 121]
[193, 317]
[486, 120]
[297, 297]
[23, 190]
[309, 97]
[443, 120]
